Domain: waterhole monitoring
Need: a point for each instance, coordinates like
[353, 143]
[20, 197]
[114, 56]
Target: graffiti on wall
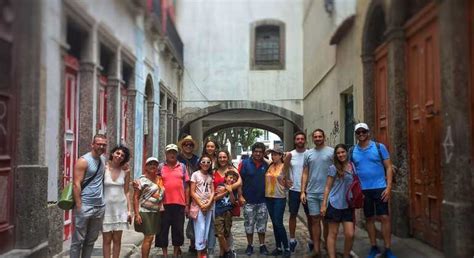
[334, 134]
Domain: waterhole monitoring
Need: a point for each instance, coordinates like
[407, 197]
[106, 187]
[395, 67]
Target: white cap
[361, 125]
[170, 147]
[151, 159]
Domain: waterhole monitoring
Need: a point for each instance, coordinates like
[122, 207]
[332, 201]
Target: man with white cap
[175, 181]
[374, 168]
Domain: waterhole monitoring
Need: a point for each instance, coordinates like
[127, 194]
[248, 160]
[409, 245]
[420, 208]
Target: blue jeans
[276, 209]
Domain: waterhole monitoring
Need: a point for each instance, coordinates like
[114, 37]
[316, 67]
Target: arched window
[268, 45]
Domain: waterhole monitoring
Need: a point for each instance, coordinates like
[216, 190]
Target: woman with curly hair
[117, 200]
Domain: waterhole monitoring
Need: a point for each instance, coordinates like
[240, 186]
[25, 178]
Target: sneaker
[276, 252]
[293, 245]
[374, 251]
[310, 247]
[263, 250]
[388, 253]
[249, 250]
[286, 253]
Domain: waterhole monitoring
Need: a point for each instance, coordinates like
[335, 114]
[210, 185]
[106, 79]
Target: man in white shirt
[294, 167]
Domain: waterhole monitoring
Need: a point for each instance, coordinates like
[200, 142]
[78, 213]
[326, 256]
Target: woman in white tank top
[117, 200]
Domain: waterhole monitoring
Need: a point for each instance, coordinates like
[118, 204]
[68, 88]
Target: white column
[196, 133]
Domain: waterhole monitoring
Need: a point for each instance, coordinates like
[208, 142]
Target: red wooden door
[102, 123]
[381, 96]
[424, 125]
[8, 122]
[71, 109]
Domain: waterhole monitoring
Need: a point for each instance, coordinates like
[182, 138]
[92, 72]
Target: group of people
[210, 191]
[327, 175]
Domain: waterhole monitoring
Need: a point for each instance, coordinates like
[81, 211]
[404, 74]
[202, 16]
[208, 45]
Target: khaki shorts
[150, 223]
[223, 224]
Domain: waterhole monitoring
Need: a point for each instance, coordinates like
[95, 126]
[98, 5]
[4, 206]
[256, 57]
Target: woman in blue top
[335, 208]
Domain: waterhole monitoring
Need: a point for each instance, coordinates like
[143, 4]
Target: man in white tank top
[293, 167]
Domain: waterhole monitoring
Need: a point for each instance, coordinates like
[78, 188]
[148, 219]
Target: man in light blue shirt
[374, 169]
[315, 172]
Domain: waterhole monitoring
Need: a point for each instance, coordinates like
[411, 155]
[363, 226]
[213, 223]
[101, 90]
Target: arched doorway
[281, 121]
[375, 50]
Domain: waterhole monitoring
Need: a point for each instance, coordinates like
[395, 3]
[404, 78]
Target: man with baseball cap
[374, 168]
[175, 181]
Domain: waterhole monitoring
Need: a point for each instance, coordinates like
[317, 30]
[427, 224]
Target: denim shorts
[314, 203]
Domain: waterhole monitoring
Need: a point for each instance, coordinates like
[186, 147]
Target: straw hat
[188, 138]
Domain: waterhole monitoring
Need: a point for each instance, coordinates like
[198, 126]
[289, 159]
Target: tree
[244, 135]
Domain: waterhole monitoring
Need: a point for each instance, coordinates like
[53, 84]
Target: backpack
[354, 195]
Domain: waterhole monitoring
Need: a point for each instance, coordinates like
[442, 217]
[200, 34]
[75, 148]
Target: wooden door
[8, 120]
[424, 125]
[71, 109]
[381, 96]
[102, 122]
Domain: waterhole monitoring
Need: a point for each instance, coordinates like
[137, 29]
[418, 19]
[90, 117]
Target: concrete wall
[216, 35]
[330, 70]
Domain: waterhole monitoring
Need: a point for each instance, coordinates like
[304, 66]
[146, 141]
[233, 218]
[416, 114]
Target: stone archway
[281, 121]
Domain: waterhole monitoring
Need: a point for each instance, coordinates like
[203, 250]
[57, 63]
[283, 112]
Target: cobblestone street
[403, 247]
[240, 240]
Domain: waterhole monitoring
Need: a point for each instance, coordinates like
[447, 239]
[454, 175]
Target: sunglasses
[188, 145]
[361, 132]
[205, 162]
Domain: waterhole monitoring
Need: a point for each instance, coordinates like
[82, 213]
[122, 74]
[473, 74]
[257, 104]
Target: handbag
[193, 211]
[66, 199]
[354, 195]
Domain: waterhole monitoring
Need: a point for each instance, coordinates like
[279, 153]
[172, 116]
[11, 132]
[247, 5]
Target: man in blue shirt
[374, 169]
[252, 171]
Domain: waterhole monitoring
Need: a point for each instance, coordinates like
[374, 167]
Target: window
[267, 45]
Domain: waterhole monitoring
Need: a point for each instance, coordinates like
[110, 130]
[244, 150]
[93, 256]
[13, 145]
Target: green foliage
[244, 135]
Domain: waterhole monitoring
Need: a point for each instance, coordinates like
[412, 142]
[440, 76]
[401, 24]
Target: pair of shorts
[314, 203]
[172, 217]
[223, 224]
[294, 200]
[255, 216]
[338, 215]
[373, 204]
[150, 223]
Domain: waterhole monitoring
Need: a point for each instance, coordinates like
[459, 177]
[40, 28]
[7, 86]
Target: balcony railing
[165, 28]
